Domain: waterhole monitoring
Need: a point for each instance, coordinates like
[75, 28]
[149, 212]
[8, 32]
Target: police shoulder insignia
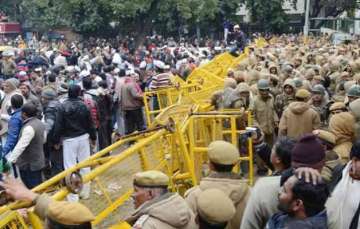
[140, 222]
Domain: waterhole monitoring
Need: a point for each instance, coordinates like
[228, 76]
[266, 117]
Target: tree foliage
[268, 14]
[138, 16]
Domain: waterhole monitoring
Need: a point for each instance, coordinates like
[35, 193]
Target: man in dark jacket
[302, 205]
[74, 126]
[28, 153]
[51, 107]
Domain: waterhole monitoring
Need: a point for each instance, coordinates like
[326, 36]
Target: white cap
[130, 72]
[142, 64]
[8, 53]
[77, 68]
[236, 27]
[161, 65]
[116, 70]
[70, 69]
[39, 69]
[22, 73]
[84, 73]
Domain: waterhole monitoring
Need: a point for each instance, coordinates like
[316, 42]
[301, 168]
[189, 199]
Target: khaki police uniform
[223, 153]
[169, 211]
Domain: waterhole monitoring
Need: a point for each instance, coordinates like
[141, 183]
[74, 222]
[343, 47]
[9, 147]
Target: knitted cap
[48, 93]
[308, 150]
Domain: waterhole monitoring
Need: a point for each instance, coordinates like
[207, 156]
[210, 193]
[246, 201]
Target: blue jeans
[31, 178]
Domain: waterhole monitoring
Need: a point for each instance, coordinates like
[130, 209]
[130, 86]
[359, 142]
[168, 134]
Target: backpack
[91, 104]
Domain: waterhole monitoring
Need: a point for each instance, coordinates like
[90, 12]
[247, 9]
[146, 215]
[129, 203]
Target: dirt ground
[117, 181]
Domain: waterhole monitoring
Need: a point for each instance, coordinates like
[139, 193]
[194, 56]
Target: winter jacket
[342, 125]
[298, 119]
[264, 114]
[168, 211]
[73, 119]
[231, 185]
[131, 95]
[8, 67]
[262, 203]
[14, 127]
[50, 112]
[284, 221]
[31, 155]
[282, 101]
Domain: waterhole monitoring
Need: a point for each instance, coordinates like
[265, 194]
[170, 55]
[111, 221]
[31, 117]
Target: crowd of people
[304, 97]
[73, 96]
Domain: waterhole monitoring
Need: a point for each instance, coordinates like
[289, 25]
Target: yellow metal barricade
[181, 128]
[156, 101]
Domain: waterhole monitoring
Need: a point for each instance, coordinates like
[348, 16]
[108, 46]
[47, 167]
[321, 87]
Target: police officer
[156, 208]
[353, 93]
[285, 98]
[222, 156]
[320, 102]
[264, 113]
[215, 209]
[56, 214]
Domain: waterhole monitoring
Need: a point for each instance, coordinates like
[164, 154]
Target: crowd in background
[304, 96]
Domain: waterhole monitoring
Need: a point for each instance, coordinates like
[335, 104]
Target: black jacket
[50, 112]
[73, 119]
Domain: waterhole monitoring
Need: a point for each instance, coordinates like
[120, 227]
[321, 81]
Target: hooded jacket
[342, 125]
[298, 119]
[237, 191]
[264, 114]
[168, 211]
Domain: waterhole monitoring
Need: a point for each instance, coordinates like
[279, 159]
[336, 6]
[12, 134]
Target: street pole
[307, 12]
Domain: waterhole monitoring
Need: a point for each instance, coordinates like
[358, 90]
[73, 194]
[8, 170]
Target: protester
[51, 107]
[263, 201]
[105, 107]
[131, 103]
[31, 98]
[75, 127]
[14, 125]
[343, 205]
[281, 155]
[28, 154]
[302, 205]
